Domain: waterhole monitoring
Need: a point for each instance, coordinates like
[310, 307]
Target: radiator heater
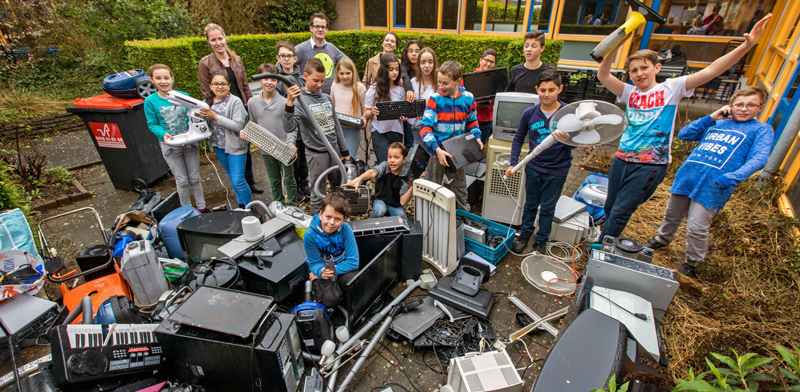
[435, 208]
[498, 204]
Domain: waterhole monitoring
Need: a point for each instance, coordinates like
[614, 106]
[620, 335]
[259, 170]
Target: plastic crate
[596, 91]
[492, 255]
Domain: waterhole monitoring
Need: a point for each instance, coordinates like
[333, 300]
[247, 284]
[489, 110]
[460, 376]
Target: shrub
[284, 16]
[183, 54]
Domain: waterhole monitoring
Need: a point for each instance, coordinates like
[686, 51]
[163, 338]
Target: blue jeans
[381, 142]
[541, 193]
[629, 186]
[486, 130]
[380, 209]
[352, 137]
[408, 135]
[234, 168]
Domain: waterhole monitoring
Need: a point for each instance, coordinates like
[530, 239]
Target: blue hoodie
[728, 149]
[341, 245]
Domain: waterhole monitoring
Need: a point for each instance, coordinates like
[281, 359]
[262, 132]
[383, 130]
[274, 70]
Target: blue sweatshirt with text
[555, 160]
[727, 149]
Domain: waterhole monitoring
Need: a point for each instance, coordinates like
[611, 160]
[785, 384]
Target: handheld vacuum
[641, 14]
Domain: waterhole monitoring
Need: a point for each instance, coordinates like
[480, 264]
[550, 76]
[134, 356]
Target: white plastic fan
[588, 123]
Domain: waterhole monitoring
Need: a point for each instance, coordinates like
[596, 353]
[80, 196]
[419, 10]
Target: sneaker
[205, 210]
[654, 244]
[688, 270]
[540, 247]
[519, 244]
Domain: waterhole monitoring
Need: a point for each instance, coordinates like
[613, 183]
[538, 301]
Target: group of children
[733, 146]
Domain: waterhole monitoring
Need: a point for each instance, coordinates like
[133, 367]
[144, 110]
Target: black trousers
[329, 293]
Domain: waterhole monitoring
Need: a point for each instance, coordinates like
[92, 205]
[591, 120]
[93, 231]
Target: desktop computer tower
[498, 204]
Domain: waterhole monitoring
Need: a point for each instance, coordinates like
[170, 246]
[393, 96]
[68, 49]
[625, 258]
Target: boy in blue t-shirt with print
[641, 162]
[546, 174]
[733, 145]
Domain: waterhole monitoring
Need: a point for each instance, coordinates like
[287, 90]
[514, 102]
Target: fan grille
[607, 132]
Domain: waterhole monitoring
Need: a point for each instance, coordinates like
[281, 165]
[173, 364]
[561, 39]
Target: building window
[540, 18]
[712, 17]
[399, 13]
[593, 17]
[473, 15]
[424, 14]
[449, 14]
[375, 13]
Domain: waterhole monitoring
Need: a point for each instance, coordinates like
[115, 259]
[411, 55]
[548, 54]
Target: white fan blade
[569, 123]
[545, 144]
[611, 119]
[589, 137]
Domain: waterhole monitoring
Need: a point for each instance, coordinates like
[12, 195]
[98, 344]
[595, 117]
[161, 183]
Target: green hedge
[183, 54]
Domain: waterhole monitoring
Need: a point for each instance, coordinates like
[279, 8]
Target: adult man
[317, 47]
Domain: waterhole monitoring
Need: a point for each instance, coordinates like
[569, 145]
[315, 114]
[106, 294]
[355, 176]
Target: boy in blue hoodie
[546, 174]
[733, 145]
[331, 251]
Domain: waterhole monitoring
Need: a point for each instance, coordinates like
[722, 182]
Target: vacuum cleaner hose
[290, 81]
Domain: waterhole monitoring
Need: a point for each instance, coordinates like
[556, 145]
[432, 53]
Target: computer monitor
[379, 266]
[508, 109]
[202, 235]
[485, 84]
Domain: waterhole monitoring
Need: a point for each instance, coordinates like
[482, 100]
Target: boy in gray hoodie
[266, 110]
[321, 107]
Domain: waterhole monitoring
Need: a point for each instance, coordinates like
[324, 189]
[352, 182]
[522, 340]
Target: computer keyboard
[349, 121]
[268, 143]
[392, 110]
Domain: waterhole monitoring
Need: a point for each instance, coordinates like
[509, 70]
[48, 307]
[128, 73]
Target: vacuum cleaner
[641, 14]
[198, 128]
[289, 82]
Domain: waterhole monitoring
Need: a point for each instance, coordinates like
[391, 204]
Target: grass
[21, 104]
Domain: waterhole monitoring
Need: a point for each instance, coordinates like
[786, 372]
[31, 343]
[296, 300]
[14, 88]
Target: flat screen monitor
[379, 266]
[508, 109]
[485, 84]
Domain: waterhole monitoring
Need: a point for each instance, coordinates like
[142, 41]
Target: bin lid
[106, 101]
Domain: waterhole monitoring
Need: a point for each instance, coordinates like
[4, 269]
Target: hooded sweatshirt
[446, 117]
[321, 106]
[341, 245]
[296, 74]
[270, 116]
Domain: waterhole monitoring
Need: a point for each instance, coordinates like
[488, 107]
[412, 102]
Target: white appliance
[490, 371]
[498, 202]
[435, 208]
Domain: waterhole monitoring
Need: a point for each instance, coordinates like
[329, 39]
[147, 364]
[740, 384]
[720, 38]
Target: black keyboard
[349, 121]
[393, 110]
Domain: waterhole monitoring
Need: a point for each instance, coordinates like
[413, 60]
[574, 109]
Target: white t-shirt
[396, 94]
[426, 92]
[651, 119]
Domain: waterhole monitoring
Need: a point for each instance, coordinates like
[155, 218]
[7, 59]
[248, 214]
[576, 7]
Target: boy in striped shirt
[450, 112]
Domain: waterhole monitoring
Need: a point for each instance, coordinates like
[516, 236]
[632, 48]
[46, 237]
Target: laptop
[485, 84]
[464, 149]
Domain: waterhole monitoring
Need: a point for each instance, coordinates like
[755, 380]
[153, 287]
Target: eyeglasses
[285, 56]
[750, 106]
[319, 27]
[490, 61]
[218, 85]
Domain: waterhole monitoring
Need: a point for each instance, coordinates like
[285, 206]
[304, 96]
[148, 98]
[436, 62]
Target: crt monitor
[508, 109]
[202, 235]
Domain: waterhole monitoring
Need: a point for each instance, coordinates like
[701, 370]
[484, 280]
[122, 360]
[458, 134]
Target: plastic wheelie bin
[130, 152]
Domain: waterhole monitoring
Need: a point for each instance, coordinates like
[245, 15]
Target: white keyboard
[268, 143]
[82, 336]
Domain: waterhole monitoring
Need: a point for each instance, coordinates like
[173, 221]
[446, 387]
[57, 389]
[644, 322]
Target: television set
[591, 350]
[379, 267]
[508, 109]
[485, 84]
[202, 235]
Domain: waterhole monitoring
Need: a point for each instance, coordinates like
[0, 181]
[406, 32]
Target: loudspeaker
[411, 263]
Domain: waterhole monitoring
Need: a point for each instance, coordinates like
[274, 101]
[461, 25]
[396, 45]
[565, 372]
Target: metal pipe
[535, 317]
[782, 147]
[374, 320]
[86, 309]
[332, 378]
[365, 354]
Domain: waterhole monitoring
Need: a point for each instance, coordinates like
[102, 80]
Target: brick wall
[349, 15]
[43, 126]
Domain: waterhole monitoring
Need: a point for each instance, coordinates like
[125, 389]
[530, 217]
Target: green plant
[287, 16]
[735, 374]
[20, 104]
[183, 54]
[612, 386]
[60, 175]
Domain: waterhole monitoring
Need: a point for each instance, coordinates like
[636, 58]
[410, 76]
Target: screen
[509, 113]
[485, 84]
[379, 264]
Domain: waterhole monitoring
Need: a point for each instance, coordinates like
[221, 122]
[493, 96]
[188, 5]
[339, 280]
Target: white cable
[230, 206]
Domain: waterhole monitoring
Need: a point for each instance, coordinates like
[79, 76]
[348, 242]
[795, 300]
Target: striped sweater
[447, 117]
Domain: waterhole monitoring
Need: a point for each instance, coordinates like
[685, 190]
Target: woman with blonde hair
[224, 59]
[347, 94]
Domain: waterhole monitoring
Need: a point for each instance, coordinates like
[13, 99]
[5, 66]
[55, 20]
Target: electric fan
[548, 275]
[587, 123]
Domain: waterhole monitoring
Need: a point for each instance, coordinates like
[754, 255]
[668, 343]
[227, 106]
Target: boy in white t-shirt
[641, 162]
